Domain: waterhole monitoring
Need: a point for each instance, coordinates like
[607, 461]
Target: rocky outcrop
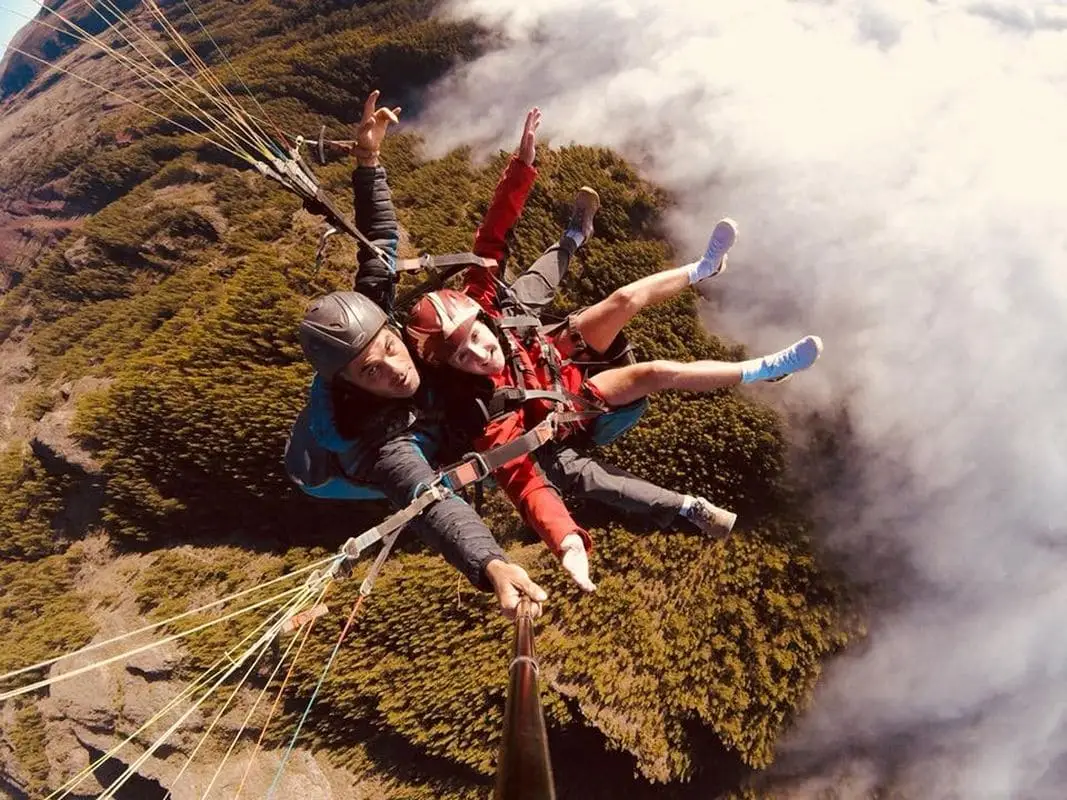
[87, 715]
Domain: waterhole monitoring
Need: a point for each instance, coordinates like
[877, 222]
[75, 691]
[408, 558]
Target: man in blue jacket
[371, 409]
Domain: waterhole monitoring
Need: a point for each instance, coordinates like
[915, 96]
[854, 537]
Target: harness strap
[519, 322]
[446, 262]
[441, 268]
[478, 466]
[357, 544]
[509, 397]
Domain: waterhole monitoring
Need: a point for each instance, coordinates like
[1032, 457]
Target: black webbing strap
[511, 397]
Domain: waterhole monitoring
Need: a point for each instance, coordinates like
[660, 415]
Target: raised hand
[528, 142]
[372, 128]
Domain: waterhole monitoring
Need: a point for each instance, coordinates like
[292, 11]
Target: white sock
[576, 236]
[699, 270]
[687, 505]
[753, 370]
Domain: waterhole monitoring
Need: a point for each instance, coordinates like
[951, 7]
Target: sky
[897, 170]
[10, 22]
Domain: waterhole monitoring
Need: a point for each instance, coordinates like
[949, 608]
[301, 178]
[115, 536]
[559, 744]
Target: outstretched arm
[451, 527]
[536, 499]
[509, 198]
[375, 213]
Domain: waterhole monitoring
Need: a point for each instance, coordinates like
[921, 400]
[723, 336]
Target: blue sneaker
[713, 262]
[779, 366]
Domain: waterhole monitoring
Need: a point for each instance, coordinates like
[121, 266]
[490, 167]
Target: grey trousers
[581, 477]
[537, 285]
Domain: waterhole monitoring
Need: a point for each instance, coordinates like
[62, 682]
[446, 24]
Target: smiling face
[384, 368]
[479, 353]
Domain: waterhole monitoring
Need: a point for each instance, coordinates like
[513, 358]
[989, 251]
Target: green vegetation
[36, 403]
[28, 741]
[30, 498]
[41, 614]
[184, 289]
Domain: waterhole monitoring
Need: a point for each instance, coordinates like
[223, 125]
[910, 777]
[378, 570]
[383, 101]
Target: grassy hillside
[181, 293]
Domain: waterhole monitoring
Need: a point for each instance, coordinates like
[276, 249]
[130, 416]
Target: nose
[397, 369]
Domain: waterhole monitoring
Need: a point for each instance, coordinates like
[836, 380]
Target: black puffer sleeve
[449, 526]
[376, 219]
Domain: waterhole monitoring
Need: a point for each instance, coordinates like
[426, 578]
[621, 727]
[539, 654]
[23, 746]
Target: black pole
[524, 771]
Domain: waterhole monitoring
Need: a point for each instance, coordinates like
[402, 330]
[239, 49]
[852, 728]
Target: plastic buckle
[477, 459]
[456, 480]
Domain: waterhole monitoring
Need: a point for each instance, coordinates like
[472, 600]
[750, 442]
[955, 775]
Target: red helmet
[438, 324]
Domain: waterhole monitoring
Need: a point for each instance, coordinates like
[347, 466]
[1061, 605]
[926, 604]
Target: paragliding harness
[319, 473]
[318, 470]
[520, 325]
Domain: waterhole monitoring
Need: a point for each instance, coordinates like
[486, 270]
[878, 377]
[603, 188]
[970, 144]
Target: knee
[626, 301]
[655, 375]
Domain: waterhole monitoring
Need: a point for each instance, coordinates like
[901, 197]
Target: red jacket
[537, 500]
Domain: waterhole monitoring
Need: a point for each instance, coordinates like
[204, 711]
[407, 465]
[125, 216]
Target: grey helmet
[337, 328]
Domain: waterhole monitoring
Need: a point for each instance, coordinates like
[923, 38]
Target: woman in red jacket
[490, 330]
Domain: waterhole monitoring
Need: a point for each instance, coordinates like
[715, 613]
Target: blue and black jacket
[348, 444]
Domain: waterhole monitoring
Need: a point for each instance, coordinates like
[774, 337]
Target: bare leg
[599, 324]
[624, 385]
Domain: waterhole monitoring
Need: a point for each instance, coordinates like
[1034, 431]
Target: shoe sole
[723, 237]
[591, 193]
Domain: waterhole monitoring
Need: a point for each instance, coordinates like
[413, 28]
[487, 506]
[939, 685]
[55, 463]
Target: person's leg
[537, 285]
[599, 324]
[624, 385]
[584, 478]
